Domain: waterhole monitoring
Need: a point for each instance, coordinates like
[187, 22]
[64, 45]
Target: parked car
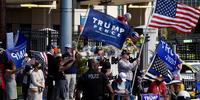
[190, 74]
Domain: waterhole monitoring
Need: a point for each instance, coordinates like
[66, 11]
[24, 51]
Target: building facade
[195, 3]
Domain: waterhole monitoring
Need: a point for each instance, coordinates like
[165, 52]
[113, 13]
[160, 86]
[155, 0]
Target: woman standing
[37, 83]
[11, 90]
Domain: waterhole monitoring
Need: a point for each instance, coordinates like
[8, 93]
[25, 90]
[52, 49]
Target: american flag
[41, 57]
[159, 67]
[169, 14]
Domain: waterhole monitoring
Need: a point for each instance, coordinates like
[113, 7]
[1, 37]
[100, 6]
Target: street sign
[187, 41]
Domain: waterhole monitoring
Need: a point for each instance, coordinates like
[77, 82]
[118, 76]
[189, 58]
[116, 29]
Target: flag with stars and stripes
[41, 57]
[170, 14]
[157, 68]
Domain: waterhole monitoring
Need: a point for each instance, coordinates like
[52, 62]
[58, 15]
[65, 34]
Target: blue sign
[150, 97]
[102, 27]
[168, 55]
[16, 54]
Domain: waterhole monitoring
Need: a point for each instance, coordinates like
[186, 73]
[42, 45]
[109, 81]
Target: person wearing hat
[70, 73]
[120, 88]
[183, 95]
[92, 84]
[125, 66]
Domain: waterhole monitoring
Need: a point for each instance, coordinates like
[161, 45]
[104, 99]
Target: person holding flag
[125, 66]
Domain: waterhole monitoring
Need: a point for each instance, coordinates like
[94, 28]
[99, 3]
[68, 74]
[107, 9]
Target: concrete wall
[139, 15]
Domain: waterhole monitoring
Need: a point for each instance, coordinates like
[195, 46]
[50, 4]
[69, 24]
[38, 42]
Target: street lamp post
[2, 22]
[66, 23]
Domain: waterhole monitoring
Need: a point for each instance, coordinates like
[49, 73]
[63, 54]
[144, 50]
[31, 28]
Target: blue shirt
[72, 69]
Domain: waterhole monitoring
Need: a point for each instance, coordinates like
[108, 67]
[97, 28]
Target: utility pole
[2, 23]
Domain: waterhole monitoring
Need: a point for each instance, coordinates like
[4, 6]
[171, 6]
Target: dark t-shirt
[59, 75]
[93, 85]
[51, 65]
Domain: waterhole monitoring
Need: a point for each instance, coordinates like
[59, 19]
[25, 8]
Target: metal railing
[38, 40]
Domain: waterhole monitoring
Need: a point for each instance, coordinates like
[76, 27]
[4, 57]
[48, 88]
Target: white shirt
[37, 79]
[126, 67]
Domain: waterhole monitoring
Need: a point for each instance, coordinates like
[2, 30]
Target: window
[120, 10]
[189, 51]
[195, 3]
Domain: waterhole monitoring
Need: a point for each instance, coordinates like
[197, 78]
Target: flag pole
[149, 66]
[76, 46]
[142, 47]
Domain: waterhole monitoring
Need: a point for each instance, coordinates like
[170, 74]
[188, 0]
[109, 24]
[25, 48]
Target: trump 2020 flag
[170, 14]
[167, 54]
[102, 27]
[16, 54]
[164, 63]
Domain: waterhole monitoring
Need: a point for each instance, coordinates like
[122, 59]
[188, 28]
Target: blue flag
[16, 54]
[168, 55]
[157, 68]
[165, 63]
[20, 39]
[102, 27]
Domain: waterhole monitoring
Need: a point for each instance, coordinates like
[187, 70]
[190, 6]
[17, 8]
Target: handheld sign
[150, 97]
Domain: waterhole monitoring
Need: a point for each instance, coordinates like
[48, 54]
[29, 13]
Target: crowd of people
[61, 82]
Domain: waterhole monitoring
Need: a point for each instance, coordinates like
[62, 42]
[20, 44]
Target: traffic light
[147, 38]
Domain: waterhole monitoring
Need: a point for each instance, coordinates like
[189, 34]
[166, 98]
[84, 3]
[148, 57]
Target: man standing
[92, 84]
[70, 73]
[51, 70]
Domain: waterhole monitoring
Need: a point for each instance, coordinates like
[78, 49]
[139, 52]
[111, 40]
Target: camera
[114, 60]
[131, 60]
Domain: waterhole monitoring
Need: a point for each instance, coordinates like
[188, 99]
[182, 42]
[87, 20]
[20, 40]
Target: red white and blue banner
[105, 28]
